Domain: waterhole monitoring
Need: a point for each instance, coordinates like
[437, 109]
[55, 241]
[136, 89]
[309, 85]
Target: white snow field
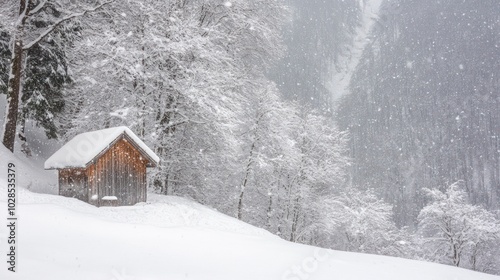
[172, 238]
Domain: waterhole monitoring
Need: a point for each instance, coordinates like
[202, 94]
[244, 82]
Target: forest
[241, 101]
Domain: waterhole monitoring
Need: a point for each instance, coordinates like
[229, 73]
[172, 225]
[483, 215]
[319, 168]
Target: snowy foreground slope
[174, 238]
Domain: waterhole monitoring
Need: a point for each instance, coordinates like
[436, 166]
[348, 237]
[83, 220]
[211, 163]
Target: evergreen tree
[32, 23]
[46, 74]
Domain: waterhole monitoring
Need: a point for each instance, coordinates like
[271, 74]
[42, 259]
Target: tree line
[191, 78]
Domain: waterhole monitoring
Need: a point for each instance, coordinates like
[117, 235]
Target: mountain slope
[342, 71]
[422, 109]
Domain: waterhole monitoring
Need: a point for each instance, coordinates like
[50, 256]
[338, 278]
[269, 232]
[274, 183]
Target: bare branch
[51, 28]
[38, 8]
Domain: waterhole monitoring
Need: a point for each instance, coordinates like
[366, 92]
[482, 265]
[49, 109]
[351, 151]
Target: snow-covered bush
[457, 232]
[361, 222]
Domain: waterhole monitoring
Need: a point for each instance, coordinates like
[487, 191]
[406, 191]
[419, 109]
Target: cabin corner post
[146, 192]
[144, 186]
[91, 185]
[58, 182]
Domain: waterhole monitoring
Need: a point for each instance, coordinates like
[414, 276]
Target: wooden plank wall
[120, 172]
[73, 183]
[92, 185]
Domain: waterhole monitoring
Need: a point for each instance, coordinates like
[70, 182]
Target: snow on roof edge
[142, 145]
[84, 147]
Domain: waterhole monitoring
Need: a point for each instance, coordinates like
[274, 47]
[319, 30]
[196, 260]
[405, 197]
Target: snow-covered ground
[172, 238]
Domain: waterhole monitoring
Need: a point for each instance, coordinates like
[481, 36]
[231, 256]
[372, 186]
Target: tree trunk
[22, 136]
[473, 257]
[249, 165]
[14, 83]
[269, 211]
[245, 180]
[14, 88]
[295, 221]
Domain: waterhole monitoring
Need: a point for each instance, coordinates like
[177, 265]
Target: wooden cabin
[104, 168]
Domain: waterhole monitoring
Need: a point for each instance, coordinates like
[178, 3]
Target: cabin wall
[92, 185]
[120, 172]
[73, 183]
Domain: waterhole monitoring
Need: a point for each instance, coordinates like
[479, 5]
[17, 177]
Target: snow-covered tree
[46, 75]
[30, 24]
[267, 144]
[361, 222]
[314, 170]
[179, 73]
[456, 231]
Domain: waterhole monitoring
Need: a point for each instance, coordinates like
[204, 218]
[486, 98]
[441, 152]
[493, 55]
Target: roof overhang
[151, 159]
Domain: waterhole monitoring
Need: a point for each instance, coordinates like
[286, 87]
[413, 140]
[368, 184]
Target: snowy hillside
[174, 238]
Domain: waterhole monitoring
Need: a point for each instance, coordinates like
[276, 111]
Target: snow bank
[174, 238]
[83, 148]
[30, 174]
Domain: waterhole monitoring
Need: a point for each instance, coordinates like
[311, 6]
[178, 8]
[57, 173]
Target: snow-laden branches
[457, 228]
[37, 9]
[363, 223]
[59, 22]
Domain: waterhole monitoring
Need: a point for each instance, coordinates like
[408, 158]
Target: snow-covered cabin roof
[85, 148]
